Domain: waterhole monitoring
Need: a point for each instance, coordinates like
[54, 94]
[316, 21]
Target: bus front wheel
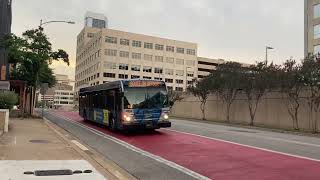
[113, 124]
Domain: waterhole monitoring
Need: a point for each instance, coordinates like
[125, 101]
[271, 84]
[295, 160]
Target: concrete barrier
[272, 111]
[4, 120]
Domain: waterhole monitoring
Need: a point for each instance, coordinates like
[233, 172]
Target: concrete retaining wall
[272, 111]
[4, 120]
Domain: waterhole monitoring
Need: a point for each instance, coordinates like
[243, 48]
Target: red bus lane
[216, 159]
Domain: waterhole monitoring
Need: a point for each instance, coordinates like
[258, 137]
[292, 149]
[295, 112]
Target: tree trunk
[296, 117]
[228, 112]
[202, 107]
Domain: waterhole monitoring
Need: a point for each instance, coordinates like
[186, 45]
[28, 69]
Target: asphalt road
[138, 165]
[197, 144]
[299, 145]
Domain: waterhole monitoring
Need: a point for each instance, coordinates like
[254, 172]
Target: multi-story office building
[61, 96]
[312, 27]
[95, 20]
[5, 29]
[105, 55]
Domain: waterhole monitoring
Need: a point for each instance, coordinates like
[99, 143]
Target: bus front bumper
[147, 125]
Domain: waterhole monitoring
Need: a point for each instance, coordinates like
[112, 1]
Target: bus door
[109, 109]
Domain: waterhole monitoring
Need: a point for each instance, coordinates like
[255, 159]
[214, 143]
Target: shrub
[7, 99]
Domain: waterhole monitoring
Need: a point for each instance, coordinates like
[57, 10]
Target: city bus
[126, 104]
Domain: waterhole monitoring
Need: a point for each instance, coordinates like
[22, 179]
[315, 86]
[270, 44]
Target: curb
[90, 154]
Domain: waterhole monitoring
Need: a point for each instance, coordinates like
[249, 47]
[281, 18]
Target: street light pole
[187, 76]
[267, 48]
[47, 22]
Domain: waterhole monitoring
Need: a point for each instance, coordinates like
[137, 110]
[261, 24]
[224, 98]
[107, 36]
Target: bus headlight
[127, 117]
[164, 116]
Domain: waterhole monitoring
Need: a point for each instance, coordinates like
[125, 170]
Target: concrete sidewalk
[38, 143]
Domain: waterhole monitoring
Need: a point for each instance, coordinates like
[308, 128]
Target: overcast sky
[236, 30]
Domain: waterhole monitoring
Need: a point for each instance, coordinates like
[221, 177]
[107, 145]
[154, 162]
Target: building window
[158, 70]
[136, 55]
[179, 89]
[109, 75]
[170, 88]
[135, 67]
[135, 77]
[180, 61]
[190, 74]
[123, 66]
[179, 81]
[190, 62]
[180, 50]
[157, 78]
[170, 48]
[190, 82]
[90, 35]
[169, 71]
[147, 69]
[158, 58]
[316, 11]
[169, 80]
[136, 43]
[112, 40]
[148, 45]
[316, 49]
[147, 57]
[124, 54]
[125, 42]
[170, 60]
[158, 47]
[110, 65]
[110, 52]
[316, 31]
[123, 76]
[179, 73]
[147, 77]
[191, 51]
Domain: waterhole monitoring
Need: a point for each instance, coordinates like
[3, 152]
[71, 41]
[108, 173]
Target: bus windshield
[145, 97]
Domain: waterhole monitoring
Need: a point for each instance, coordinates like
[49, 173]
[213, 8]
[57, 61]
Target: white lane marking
[81, 146]
[254, 147]
[269, 138]
[138, 150]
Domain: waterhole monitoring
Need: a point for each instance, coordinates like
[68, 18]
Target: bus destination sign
[144, 84]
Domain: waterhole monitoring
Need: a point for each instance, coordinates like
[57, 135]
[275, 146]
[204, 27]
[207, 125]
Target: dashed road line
[81, 146]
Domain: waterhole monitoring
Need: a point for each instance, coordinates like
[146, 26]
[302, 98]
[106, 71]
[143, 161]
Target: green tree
[291, 86]
[254, 86]
[174, 96]
[31, 56]
[226, 83]
[201, 89]
[310, 77]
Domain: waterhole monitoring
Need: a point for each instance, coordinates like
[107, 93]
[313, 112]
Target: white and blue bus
[126, 104]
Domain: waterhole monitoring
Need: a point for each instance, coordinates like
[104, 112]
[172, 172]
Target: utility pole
[267, 48]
